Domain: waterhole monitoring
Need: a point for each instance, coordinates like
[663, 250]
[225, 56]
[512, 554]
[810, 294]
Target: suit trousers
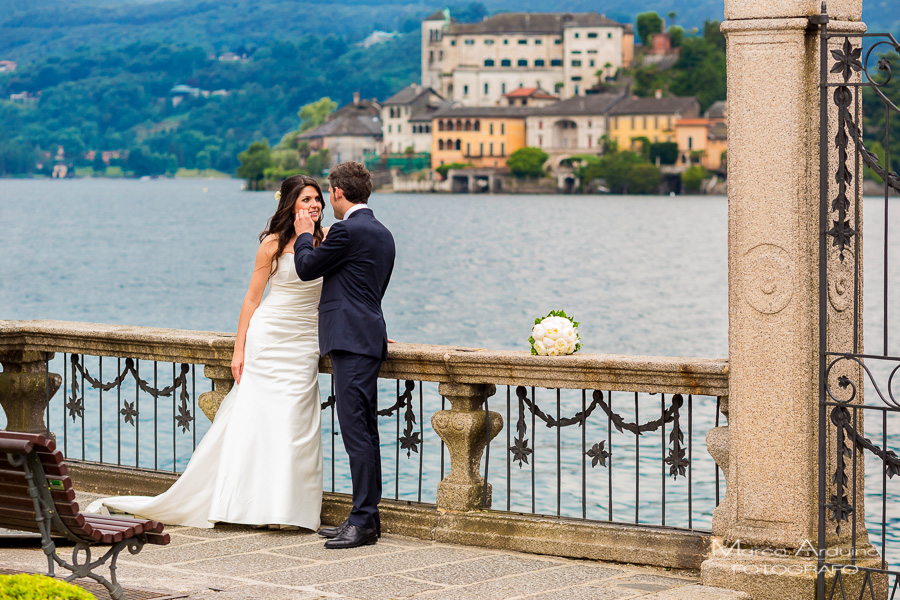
[356, 394]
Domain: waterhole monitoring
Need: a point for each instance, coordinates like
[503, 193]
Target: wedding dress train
[261, 460]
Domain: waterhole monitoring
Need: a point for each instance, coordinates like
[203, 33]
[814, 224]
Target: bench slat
[24, 502]
[15, 445]
[39, 441]
[9, 489]
[54, 470]
[160, 539]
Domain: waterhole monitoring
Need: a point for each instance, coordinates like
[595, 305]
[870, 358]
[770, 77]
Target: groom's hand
[303, 223]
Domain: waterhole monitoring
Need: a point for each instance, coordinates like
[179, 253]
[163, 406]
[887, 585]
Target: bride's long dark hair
[282, 222]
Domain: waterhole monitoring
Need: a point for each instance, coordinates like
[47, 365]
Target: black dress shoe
[351, 537]
[333, 532]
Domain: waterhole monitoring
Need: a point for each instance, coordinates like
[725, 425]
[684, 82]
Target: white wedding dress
[260, 462]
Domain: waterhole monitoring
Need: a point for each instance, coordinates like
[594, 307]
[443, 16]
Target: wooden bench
[36, 495]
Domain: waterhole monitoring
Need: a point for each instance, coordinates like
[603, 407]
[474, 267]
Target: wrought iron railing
[607, 438]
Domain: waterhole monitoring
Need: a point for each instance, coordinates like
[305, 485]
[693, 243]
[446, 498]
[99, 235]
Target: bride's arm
[251, 301]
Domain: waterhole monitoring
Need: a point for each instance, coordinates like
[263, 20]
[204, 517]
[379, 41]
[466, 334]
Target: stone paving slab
[232, 562]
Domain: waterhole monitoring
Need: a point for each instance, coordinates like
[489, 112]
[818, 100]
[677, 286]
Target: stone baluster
[463, 429]
[24, 392]
[224, 381]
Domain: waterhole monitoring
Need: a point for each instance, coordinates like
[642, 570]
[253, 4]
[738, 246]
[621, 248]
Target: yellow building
[484, 137]
[652, 118]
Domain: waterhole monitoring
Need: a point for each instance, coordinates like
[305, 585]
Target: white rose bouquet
[555, 335]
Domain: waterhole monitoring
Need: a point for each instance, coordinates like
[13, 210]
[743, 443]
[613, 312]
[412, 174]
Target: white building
[477, 63]
[406, 119]
[573, 126]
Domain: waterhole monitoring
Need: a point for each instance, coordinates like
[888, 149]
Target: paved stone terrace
[240, 563]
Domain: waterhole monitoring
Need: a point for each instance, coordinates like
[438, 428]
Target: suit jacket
[356, 261]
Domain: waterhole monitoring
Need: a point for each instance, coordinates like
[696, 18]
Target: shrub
[692, 179]
[643, 179]
[527, 162]
[444, 169]
[39, 587]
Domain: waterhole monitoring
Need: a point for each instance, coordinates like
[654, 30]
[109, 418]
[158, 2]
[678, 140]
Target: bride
[260, 463]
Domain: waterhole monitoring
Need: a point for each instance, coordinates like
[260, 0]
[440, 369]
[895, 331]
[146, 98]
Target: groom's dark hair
[354, 179]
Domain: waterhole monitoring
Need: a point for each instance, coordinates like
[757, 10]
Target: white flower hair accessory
[278, 195]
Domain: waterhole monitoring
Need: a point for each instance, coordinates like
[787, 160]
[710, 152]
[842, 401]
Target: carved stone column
[767, 524]
[463, 429]
[210, 401]
[24, 394]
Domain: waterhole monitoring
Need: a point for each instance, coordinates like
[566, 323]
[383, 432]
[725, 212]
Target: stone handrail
[467, 377]
[422, 362]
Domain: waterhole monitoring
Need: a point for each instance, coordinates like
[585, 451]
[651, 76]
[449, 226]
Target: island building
[480, 136]
[570, 127]
[406, 119]
[476, 64]
[350, 133]
[7, 66]
[633, 120]
[534, 97]
[704, 141]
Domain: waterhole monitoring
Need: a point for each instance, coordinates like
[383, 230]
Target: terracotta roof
[409, 94]
[534, 92]
[656, 106]
[346, 126]
[495, 112]
[552, 23]
[593, 104]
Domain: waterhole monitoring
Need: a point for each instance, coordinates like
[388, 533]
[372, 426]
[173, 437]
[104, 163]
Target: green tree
[613, 168]
[648, 23]
[643, 178]
[254, 162]
[314, 114]
[318, 162]
[666, 152]
[672, 16]
[676, 34]
[692, 179]
[442, 170]
[527, 162]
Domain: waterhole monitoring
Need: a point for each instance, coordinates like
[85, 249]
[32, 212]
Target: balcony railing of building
[599, 456]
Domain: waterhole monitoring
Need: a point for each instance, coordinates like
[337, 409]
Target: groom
[356, 260]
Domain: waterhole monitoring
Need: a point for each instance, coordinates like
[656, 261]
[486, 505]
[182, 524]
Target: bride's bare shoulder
[269, 244]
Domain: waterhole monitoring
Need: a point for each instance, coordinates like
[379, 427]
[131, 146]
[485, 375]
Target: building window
[592, 52]
[502, 149]
[539, 62]
[609, 35]
[540, 140]
[468, 125]
[505, 42]
[452, 42]
[558, 41]
[489, 62]
[555, 62]
[523, 62]
[589, 141]
[576, 51]
[481, 149]
[440, 144]
[465, 90]
[485, 89]
[592, 62]
[459, 125]
[592, 34]
[576, 89]
[503, 88]
[470, 42]
[655, 122]
[389, 128]
[576, 63]
[468, 149]
[538, 42]
[577, 35]
[398, 127]
[488, 42]
[440, 55]
[589, 123]
[458, 144]
[502, 131]
[440, 125]
[523, 42]
[690, 143]
[477, 125]
[540, 124]
[505, 63]
[491, 129]
[576, 78]
[669, 123]
[492, 147]
[645, 122]
[633, 122]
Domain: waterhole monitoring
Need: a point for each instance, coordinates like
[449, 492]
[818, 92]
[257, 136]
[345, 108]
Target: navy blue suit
[356, 260]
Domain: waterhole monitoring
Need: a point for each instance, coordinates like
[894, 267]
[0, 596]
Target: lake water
[643, 275]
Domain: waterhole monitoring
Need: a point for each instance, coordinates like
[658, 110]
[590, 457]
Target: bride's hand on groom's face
[303, 223]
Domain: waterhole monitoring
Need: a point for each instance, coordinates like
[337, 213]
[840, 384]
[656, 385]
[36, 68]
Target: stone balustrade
[466, 376]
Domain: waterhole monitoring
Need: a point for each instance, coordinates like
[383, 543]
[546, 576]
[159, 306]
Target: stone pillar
[769, 451]
[24, 392]
[463, 429]
[210, 401]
